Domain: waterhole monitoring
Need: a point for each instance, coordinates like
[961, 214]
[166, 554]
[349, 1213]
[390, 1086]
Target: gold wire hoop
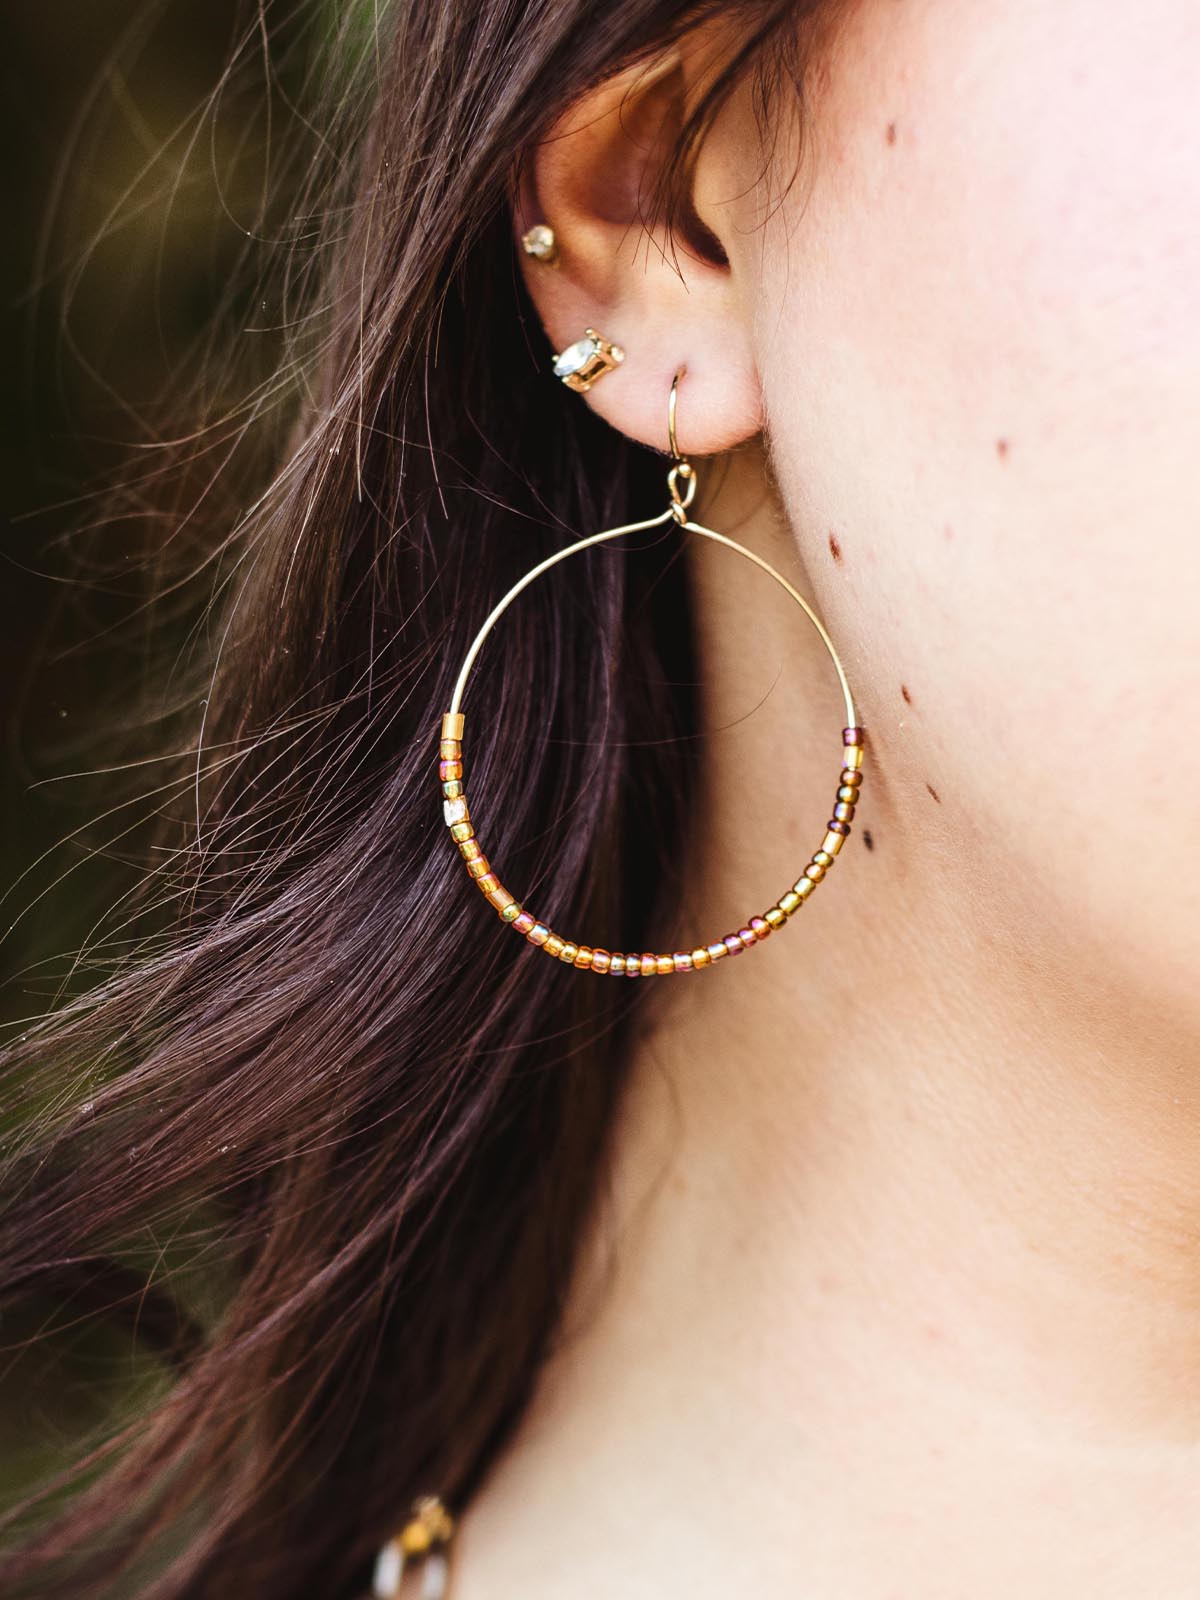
[681, 483]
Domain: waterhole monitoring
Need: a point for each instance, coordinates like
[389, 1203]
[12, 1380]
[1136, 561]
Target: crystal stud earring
[589, 358]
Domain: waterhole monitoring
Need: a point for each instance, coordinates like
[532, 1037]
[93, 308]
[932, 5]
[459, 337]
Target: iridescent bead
[776, 917]
[616, 964]
[815, 871]
[449, 750]
[568, 952]
[452, 790]
[449, 769]
[649, 963]
[701, 957]
[663, 965]
[682, 961]
[525, 922]
[748, 936]
[511, 911]
[733, 944]
[499, 897]
[760, 926]
[553, 945]
[838, 826]
[633, 964]
[848, 794]
[790, 902]
[538, 934]
[843, 812]
[822, 858]
[469, 850]
[852, 735]
[717, 951]
[461, 831]
[585, 956]
[601, 960]
[488, 882]
[803, 886]
[479, 867]
[851, 776]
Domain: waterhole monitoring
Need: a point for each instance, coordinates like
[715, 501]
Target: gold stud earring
[589, 358]
[540, 243]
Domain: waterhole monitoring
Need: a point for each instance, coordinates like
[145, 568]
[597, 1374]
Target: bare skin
[896, 1289]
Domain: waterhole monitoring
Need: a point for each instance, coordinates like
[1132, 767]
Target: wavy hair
[323, 1136]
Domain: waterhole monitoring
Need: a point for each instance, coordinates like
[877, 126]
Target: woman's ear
[669, 301]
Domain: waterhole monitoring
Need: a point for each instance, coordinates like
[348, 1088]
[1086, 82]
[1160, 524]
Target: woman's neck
[902, 1225]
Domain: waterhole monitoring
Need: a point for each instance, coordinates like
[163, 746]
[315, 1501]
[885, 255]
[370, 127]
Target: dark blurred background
[128, 197]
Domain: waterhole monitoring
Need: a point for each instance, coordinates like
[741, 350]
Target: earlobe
[596, 257]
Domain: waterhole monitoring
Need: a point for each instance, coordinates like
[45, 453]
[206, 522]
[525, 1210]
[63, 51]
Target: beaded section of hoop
[646, 964]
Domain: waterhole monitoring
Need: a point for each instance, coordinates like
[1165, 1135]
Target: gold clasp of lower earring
[682, 472]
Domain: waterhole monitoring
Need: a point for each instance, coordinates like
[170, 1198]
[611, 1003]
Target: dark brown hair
[326, 1137]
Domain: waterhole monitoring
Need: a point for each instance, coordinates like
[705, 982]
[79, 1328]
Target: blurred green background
[130, 195]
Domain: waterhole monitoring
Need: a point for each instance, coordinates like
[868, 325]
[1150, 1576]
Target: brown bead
[852, 735]
[851, 777]
[843, 812]
[848, 795]
[839, 825]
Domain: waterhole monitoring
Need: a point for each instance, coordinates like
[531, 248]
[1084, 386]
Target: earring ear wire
[681, 483]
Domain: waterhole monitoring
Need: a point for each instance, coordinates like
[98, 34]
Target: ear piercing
[589, 358]
[540, 243]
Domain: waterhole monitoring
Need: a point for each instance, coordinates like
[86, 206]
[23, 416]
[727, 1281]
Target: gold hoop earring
[681, 484]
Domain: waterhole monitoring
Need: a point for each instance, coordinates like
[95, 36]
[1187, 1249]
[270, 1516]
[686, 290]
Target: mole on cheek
[890, 136]
[867, 839]
[905, 693]
[934, 793]
[835, 549]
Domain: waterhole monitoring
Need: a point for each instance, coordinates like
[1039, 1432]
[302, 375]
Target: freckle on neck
[890, 135]
[835, 549]
[1002, 449]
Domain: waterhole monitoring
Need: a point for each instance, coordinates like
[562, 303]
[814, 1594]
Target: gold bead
[843, 812]
[452, 725]
[700, 956]
[568, 952]
[822, 858]
[460, 831]
[663, 965]
[852, 756]
[815, 871]
[790, 902]
[616, 963]
[803, 887]
[452, 789]
[469, 850]
[500, 897]
[488, 881]
[553, 945]
[832, 843]
[848, 794]
[450, 750]
[776, 916]
[479, 866]
[586, 956]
